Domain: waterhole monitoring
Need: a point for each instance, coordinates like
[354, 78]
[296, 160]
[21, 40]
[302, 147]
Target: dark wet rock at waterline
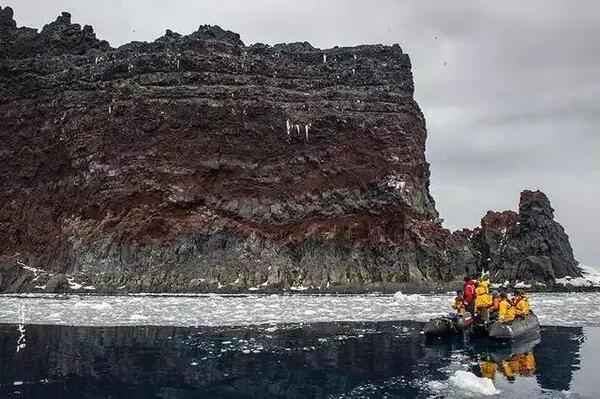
[57, 284]
[195, 163]
[13, 277]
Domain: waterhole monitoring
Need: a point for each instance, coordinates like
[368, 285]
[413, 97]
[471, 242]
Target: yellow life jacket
[485, 284]
[522, 306]
[483, 298]
[506, 311]
[459, 305]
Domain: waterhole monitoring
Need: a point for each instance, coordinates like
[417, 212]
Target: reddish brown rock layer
[196, 162]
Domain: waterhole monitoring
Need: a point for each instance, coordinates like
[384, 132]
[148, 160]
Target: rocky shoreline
[42, 282]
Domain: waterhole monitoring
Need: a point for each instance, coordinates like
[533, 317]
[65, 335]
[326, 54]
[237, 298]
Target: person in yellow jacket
[495, 302]
[485, 282]
[521, 304]
[459, 303]
[483, 299]
[506, 310]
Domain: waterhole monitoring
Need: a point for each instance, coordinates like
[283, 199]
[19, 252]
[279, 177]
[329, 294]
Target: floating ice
[437, 386]
[400, 297]
[473, 385]
[558, 309]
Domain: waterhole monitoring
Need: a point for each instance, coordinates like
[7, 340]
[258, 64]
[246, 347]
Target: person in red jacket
[469, 294]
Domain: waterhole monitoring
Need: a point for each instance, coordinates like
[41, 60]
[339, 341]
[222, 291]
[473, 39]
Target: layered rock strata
[196, 163]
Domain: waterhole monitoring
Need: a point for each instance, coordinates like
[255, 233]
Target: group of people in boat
[476, 298]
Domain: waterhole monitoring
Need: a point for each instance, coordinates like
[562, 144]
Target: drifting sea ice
[559, 309]
[472, 385]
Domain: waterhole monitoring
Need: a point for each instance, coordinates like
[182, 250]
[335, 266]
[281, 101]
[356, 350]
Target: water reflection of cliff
[164, 362]
[173, 362]
[558, 356]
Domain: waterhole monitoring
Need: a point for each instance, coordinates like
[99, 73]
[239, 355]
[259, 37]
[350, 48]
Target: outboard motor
[464, 322]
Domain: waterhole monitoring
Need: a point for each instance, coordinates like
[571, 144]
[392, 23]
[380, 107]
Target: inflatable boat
[518, 328]
[447, 325]
[453, 325]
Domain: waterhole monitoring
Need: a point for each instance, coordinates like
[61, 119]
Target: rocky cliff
[197, 163]
[528, 246]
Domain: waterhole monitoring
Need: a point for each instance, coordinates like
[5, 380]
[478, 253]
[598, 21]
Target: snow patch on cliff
[395, 182]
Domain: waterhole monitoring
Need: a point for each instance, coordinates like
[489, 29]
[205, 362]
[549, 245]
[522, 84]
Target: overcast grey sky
[511, 89]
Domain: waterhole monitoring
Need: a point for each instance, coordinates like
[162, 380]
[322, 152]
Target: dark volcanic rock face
[57, 38]
[196, 162]
[529, 245]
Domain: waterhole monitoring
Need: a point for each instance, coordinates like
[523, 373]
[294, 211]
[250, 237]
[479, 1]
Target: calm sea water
[318, 360]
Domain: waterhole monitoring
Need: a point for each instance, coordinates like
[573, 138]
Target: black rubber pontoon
[445, 326]
[518, 328]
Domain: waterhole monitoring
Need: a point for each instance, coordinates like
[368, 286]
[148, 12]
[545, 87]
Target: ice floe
[399, 296]
[470, 384]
